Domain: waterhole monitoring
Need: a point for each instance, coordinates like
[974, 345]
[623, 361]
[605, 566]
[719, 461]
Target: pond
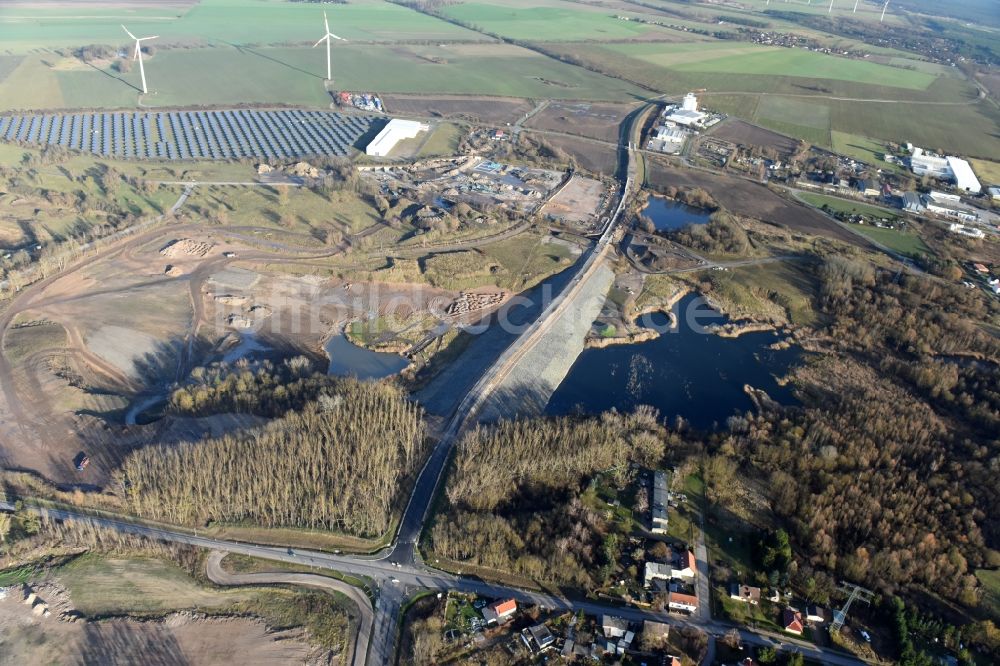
[348, 359]
[685, 371]
[669, 215]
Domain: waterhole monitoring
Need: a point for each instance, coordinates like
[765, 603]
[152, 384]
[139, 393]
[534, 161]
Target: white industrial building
[687, 114]
[395, 131]
[944, 168]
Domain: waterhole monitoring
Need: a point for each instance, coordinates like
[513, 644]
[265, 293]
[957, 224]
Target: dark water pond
[668, 215]
[348, 359]
[686, 372]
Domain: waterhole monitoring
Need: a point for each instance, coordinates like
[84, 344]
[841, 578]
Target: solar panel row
[185, 135]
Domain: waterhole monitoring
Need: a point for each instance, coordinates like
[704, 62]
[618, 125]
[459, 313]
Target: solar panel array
[193, 135]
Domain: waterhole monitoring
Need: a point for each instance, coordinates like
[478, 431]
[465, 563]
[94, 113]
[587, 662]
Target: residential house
[538, 638]
[791, 620]
[685, 565]
[868, 188]
[499, 611]
[656, 571]
[673, 660]
[745, 593]
[815, 614]
[682, 602]
[912, 203]
[614, 627]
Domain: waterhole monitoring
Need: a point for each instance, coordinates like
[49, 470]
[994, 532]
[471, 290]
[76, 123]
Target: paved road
[365, 619]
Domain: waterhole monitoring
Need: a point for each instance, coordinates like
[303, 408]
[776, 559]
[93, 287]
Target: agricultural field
[294, 76]
[862, 148]
[742, 133]
[535, 21]
[596, 121]
[988, 171]
[487, 110]
[28, 26]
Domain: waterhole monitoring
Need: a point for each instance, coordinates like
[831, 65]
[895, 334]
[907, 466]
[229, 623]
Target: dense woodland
[721, 235]
[336, 464]
[514, 495]
[265, 389]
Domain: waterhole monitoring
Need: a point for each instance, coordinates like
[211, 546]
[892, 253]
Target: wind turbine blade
[335, 37]
[321, 41]
[326, 23]
[129, 33]
[136, 55]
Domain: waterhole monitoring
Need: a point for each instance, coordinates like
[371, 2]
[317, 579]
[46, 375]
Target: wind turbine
[326, 38]
[830, 11]
[856, 6]
[138, 55]
[883, 11]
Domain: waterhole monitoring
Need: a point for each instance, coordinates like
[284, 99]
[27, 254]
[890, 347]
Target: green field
[218, 76]
[862, 148]
[219, 22]
[737, 59]
[105, 586]
[839, 205]
[966, 129]
[988, 171]
[990, 580]
[555, 20]
[810, 65]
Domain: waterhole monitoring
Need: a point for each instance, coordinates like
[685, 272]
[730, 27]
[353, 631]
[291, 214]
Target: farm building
[395, 131]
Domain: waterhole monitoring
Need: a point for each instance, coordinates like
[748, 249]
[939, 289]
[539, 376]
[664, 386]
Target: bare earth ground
[179, 638]
[743, 133]
[595, 157]
[753, 200]
[489, 111]
[120, 326]
[577, 201]
[597, 121]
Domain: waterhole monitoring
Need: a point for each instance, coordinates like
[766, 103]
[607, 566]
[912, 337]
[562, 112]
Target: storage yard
[185, 135]
[472, 180]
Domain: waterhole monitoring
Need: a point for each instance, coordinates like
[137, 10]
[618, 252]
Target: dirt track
[359, 649]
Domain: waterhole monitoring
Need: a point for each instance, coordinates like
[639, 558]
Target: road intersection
[398, 571]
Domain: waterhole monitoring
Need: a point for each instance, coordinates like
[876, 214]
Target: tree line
[337, 464]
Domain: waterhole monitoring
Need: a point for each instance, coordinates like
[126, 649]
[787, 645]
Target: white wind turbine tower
[326, 38]
[883, 11]
[138, 55]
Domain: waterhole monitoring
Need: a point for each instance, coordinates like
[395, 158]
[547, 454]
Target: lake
[348, 359]
[683, 372]
[669, 215]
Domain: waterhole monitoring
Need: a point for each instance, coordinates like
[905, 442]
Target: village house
[500, 611]
[682, 602]
[791, 620]
[745, 593]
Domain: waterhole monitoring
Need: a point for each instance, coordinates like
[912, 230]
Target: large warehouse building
[395, 131]
[945, 168]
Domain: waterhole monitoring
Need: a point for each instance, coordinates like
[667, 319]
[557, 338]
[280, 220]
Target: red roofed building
[499, 611]
[683, 602]
[792, 621]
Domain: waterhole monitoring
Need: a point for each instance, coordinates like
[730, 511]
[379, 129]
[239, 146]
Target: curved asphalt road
[359, 650]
